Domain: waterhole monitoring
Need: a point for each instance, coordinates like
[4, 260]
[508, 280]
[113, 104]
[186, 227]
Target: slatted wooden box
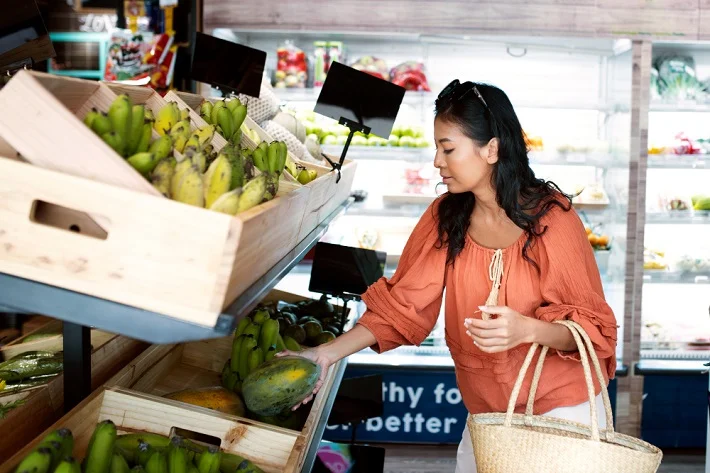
[71, 230]
[42, 406]
[163, 369]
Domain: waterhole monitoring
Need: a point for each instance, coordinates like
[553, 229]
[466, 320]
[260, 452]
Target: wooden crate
[41, 117]
[163, 369]
[44, 405]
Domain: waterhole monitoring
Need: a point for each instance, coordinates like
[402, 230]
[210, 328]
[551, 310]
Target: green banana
[114, 140]
[291, 344]
[215, 110]
[118, 464]
[66, 440]
[256, 358]
[233, 104]
[247, 347]
[232, 463]
[144, 163]
[280, 345]
[120, 115]
[206, 111]
[267, 337]
[192, 469]
[239, 113]
[138, 469]
[236, 352]
[90, 117]
[143, 453]
[163, 174]
[209, 461]
[128, 444]
[38, 461]
[149, 117]
[135, 133]
[146, 135]
[272, 157]
[177, 456]
[161, 147]
[253, 329]
[101, 125]
[264, 147]
[229, 377]
[260, 316]
[225, 120]
[242, 325]
[99, 454]
[237, 137]
[68, 465]
[260, 160]
[157, 463]
[283, 156]
[270, 353]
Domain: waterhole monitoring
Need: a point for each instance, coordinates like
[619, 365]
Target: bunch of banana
[256, 340]
[143, 452]
[227, 116]
[252, 134]
[127, 128]
[300, 172]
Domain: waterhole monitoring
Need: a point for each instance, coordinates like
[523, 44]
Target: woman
[501, 237]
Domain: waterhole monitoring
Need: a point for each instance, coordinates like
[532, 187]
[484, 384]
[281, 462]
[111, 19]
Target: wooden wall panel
[677, 19]
[704, 30]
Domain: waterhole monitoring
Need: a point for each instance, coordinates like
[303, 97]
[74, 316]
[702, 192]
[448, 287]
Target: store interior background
[578, 74]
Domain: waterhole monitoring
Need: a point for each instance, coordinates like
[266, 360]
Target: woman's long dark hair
[524, 197]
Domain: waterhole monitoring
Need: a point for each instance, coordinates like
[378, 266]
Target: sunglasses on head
[456, 91]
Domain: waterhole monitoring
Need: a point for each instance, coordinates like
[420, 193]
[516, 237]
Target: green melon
[279, 384]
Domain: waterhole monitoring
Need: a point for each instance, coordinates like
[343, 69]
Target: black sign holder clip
[354, 128]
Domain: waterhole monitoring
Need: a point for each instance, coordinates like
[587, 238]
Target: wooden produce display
[42, 406]
[164, 369]
[63, 226]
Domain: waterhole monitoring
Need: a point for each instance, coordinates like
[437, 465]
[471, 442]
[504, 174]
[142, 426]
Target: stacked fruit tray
[87, 211]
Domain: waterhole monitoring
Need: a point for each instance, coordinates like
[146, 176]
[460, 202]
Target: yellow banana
[163, 174]
[217, 180]
[201, 137]
[199, 160]
[190, 191]
[181, 128]
[120, 116]
[179, 142]
[252, 193]
[206, 111]
[149, 117]
[272, 185]
[167, 117]
[179, 173]
[227, 203]
[184, 114]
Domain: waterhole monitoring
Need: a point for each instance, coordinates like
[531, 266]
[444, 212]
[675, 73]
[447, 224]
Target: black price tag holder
[359, 101]
[229, 66]
[24, 40]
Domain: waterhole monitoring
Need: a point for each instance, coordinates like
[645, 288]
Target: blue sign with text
[419, 407]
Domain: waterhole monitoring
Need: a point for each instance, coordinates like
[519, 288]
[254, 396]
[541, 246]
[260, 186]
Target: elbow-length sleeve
[404, 309]
[571, 286]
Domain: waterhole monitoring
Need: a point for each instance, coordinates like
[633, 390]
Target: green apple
[314, 137]
[330, 140]
[396, 131]
[343, 130]
[358, 141]
[406, 131]
[418, 132]
[421, 143]
[394, 140]
[374, 141]
[341, 139]
[406, 141]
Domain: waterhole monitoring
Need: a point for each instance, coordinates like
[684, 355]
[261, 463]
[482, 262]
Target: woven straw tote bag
[515, 443]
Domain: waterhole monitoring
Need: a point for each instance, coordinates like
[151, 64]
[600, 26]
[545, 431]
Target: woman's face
[464, 166]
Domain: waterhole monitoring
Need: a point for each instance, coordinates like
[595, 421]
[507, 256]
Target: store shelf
[679, 217]
[675, 161]
[681, 354]
[17, 294]
[674, 277]
[670, 367]
[382, 153]
[311, 95]
[691, 107]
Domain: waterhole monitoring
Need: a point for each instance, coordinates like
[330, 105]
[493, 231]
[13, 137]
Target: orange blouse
[404, 309]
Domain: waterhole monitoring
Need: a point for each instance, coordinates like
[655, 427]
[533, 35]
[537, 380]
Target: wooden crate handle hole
[64, 218]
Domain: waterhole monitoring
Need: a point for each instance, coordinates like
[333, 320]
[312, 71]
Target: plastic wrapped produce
[677, 78]
[291, 69]
[373, 66]
[410, 75]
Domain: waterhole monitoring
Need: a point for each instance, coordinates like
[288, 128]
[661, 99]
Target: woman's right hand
[319, 357]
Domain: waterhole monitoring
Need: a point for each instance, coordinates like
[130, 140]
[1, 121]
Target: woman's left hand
[508, 330]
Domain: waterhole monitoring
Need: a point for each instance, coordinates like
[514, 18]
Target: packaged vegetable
[410, 75]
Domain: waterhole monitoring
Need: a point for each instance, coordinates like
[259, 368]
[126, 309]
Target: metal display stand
[81, 311]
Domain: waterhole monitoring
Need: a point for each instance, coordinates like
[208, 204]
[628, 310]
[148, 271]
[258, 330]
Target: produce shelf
[675, 277]
[18, 294]
[382, 153]
[311, 95]
[679, 217]
[680, 107]
[675, 161]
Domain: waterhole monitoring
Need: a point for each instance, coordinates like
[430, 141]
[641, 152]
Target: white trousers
[466, 462]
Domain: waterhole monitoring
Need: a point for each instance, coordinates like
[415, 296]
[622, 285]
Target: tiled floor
[442, 459]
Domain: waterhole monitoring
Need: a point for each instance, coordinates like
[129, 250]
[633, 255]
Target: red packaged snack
[411, 75]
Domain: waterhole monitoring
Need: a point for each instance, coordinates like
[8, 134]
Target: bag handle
[581, 338]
